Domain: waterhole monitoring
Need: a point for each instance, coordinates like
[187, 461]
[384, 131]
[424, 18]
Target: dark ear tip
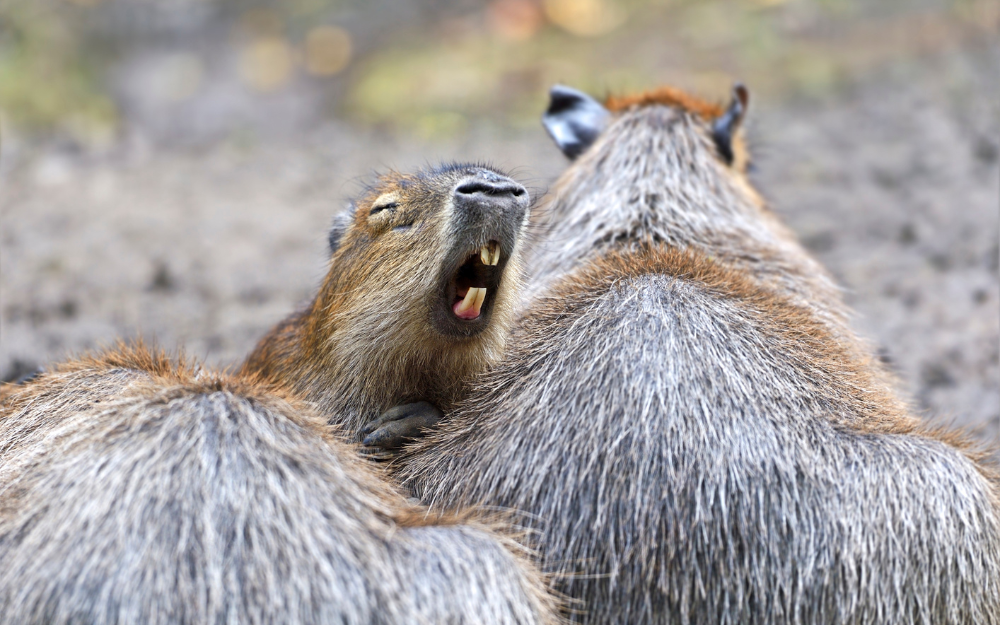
[562, 97]
[558, 91]
[338, 226]
[573, 119]
[741, 93]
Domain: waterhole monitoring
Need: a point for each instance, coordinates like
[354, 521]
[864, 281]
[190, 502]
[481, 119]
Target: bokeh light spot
[585, 18]
[516, 20]
[327, 50]
[266, 63]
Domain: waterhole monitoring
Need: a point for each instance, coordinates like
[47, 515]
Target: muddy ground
[893, 183]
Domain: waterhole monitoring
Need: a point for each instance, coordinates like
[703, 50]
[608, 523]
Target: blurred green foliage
[462, 61]
[48, 79]
[436, 82]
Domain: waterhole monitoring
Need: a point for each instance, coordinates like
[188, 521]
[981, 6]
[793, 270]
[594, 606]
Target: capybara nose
[488, 203]
[489, 188]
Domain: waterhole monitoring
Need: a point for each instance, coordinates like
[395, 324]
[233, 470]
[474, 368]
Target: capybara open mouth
[475, 282]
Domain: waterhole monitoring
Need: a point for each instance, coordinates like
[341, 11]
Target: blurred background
[168, 167]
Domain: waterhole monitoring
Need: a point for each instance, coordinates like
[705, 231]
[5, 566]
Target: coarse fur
[137, 489]
[369, 340]
[687, 419]
[654, 175]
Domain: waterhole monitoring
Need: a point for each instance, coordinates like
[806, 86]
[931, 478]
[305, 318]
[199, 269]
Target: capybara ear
[574, 120]
[725, 127]
[341, 222]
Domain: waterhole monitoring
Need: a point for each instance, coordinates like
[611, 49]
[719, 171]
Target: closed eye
[382, 207]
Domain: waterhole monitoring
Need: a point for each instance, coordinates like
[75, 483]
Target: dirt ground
[893, 184]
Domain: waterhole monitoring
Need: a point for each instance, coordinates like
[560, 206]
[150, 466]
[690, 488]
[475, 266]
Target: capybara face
[434, 245]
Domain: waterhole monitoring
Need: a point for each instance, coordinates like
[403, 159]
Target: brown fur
[680, 194]
[844, 369]
[666, 96]
[365, 342]
[137, 488]
[688, 420]
[676, 98]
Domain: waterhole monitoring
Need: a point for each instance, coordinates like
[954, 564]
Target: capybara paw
[400, 425]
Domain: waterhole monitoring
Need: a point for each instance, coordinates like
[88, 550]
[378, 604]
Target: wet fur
[137, 489]
[687, 418]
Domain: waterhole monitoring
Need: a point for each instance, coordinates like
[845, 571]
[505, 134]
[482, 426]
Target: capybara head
[431, 250]
[423, 277]
[575, 120]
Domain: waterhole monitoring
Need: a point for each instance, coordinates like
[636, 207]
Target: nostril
[470, 188]
[475, 186]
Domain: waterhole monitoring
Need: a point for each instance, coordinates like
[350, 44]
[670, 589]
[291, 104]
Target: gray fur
[699, 436]
[127, 498]
[654, 176]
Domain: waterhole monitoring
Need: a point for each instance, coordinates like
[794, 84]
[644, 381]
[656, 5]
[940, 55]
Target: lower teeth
[473, 300]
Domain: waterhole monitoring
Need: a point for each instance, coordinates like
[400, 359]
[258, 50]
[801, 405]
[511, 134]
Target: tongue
[471, 304]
